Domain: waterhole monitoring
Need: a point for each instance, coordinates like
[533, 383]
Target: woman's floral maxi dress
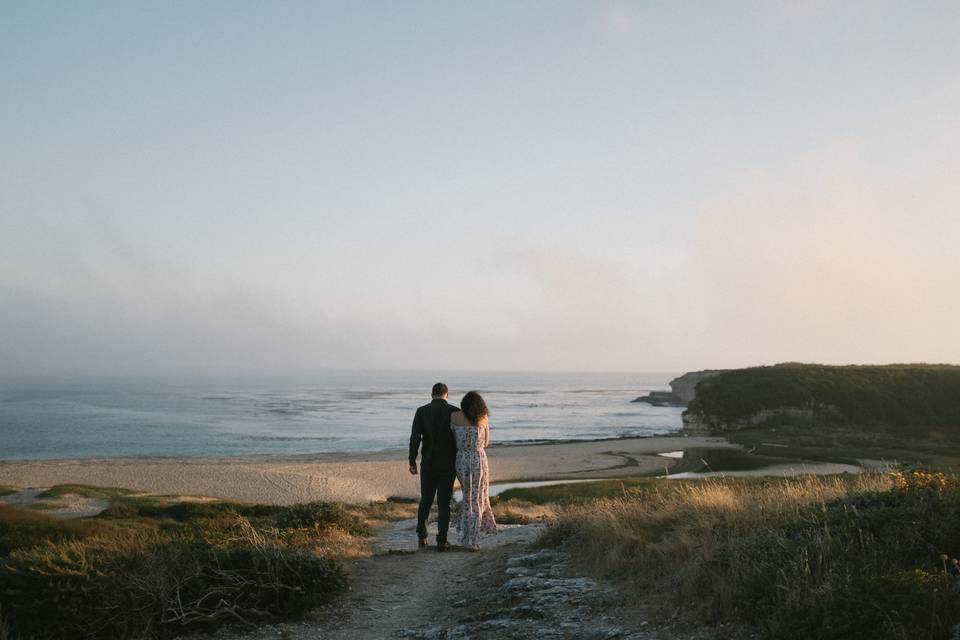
[475, 517]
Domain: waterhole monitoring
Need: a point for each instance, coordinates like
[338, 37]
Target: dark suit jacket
[431, 425]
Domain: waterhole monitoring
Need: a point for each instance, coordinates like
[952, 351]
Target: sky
[260, 188]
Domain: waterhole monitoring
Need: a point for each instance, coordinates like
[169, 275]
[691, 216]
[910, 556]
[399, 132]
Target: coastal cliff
[916, 396]
[682, 389]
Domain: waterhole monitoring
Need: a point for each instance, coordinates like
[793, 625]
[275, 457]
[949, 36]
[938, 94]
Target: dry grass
[662, 529]
[380, 514]
[789, 555]
[518, 511]
[21, 528]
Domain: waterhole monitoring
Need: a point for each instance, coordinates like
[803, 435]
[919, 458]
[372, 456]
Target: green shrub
[862, 566]
[193, 511]
[320, 516]
[317, 517]
[135, 584]
[899, 604]
[152, 569]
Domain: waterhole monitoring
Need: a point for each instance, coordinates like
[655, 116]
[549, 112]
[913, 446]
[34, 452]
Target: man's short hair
[439, 390]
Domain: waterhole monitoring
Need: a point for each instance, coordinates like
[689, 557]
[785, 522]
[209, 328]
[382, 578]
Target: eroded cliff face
[698, 424]
[684, 387]
[695, 424]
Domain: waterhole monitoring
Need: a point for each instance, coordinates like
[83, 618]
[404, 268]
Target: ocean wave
[516, 392]
[293, 407]
[370, 395]
[280, 411]
[286, 438]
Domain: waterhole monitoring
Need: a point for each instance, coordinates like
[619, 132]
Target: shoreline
[348, 477]
[324, 456]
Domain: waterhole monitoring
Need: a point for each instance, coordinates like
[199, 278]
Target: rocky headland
[894, 397]
[682, 389]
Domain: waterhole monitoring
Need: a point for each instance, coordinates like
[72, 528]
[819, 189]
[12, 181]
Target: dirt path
[400, 588]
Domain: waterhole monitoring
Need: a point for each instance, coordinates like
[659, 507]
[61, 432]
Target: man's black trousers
[439, 483]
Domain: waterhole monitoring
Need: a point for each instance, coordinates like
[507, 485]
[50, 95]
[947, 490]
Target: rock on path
[536, 597]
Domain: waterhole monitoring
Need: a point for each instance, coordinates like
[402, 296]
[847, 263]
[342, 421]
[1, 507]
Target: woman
[471, 430]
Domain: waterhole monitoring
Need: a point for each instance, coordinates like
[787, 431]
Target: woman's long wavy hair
[474, 408]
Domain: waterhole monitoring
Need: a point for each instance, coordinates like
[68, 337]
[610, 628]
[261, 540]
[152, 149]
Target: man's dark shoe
[443, 546]
[421, 542]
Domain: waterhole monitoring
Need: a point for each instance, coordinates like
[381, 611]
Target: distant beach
[360, 478]
[343, 477]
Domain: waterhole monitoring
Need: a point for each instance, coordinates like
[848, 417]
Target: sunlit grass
[809, 557]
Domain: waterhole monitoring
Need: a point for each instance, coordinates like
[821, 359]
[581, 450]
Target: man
[431, 426]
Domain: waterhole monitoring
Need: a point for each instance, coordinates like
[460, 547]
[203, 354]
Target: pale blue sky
[266, 187]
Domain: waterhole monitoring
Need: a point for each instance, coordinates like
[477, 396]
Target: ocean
[329, 413]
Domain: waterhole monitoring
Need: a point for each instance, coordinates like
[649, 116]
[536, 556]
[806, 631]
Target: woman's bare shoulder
[457, 418]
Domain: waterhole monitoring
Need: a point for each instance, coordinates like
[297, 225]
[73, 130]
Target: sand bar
[346, 477]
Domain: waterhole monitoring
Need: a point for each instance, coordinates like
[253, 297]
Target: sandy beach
[352, 478]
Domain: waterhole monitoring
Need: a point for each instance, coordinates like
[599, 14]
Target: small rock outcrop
[661, 399]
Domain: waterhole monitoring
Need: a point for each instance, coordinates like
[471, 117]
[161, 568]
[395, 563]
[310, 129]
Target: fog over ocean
[328, 413]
